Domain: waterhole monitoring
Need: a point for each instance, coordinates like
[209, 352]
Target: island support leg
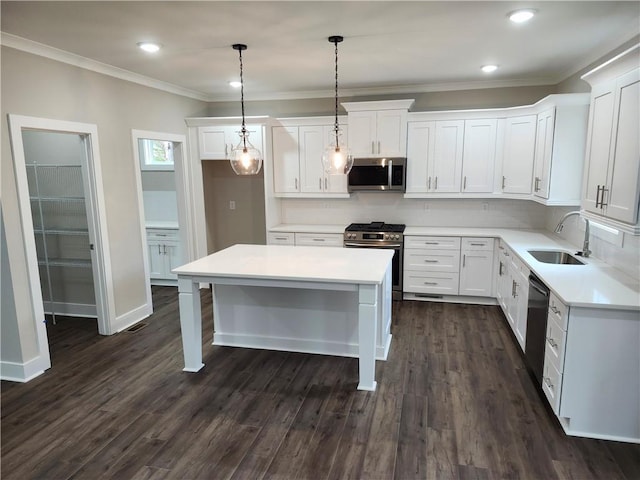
[369, 303]
[190, 323]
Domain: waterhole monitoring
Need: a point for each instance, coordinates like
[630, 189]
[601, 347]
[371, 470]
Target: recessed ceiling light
[235, 84]
[489, 68]
[149, 47]
[521, 16]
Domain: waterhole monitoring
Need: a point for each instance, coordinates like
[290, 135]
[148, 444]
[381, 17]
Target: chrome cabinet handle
[296, 183]
[536, 185]
[430, 283]
[554, 309]
[464, 183]
[431, 261]
[514, 287]
[281, 238]
[164, 249]
[477, 244]
[320, 184]
[378, 146]
[373, 148]
[504, 179]
[552, 342]
[325, 184]
[431, 243]
[500, 272]
[597, 196]
[226, 151]
[159, 251]
[602, 204]
[464, 260]
[547, 381]
[318, 239]
[436, 187]
[429, 184]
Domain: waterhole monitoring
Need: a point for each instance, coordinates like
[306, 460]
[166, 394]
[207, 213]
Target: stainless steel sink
[556, 257]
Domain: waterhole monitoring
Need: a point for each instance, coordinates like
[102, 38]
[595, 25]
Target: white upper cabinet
[286, 159]
[544, 145]
[378, 129]
[611, 186]
[559, 152]
[216, 142]
[420, 147]
[297, 159]
[518, 154]
[446, 166]
[479, 155]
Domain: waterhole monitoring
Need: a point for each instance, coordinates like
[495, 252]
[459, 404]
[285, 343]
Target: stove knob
[396, 237]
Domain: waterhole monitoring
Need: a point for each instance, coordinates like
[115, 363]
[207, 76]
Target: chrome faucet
[585, 246]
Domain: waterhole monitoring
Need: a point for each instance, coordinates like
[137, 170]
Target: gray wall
[36, 86]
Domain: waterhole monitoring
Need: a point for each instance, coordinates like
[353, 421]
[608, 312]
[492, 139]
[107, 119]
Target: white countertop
[594, 284]
[284, 262]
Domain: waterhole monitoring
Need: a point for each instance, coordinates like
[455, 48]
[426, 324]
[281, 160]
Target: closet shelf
[65, 262]
[61, 231]
[57, 199]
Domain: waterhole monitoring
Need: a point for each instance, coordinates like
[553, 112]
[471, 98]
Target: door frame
[182, 189]
[96, 217]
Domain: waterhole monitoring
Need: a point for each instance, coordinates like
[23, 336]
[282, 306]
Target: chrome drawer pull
[552, 342]
[431, 283]
[478, 244]
[431, 261]
[554, 309]
[547, 381]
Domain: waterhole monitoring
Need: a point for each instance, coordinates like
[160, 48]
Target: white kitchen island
[332, 301]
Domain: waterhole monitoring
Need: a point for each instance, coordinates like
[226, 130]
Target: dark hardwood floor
[453, 401]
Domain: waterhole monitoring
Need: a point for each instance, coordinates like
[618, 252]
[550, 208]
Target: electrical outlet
[232, 204]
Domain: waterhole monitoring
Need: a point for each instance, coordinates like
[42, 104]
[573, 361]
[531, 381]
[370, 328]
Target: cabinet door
[286, 159]
[362, 133]
[476, 273]
[216, 142]
[598, 144]
[521, 298]
[479, 155]
[519, 149]
[447, 158]
[544, 148]
[157, 267]
[310, 146]
[420, 144]
[621, 200]
[391, 132]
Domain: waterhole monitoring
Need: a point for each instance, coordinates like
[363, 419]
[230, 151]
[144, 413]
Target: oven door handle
[373, 245]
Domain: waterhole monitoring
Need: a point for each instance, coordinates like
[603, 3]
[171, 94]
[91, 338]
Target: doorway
[160, 179]
[58, 179]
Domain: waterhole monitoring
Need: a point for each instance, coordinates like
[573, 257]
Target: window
[156, 154]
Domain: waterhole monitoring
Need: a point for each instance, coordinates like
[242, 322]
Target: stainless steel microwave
[378, 174]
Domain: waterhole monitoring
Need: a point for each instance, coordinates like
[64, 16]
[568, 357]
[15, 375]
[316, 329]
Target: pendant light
[245, 158]
[336, 159]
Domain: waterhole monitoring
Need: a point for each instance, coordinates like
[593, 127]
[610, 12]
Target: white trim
[132, 317]
[72, 309]
[105, 302]
[40, 49]
[23, 372]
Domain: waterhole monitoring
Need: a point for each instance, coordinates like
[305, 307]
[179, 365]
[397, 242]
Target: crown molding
[40, 49]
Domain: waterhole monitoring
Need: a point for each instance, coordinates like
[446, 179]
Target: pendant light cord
[244, 129]
[336, 127]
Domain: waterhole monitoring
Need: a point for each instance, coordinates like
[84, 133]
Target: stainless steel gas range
[380, 235]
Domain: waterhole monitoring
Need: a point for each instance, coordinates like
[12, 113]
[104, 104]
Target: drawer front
[431, 282]
[319, 239]
[170, 235]
[558, 310]
[555, 342]
[470, 244]
[432, 260]
[552, 384]
[277, 238]
[438, 243]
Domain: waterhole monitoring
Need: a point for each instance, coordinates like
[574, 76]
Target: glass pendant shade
[336, 158]
[245, 158]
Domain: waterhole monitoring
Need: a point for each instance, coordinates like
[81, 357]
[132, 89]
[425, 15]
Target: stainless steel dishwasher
[535, 340]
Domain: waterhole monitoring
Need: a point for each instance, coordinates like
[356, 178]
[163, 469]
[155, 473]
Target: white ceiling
[389, 46]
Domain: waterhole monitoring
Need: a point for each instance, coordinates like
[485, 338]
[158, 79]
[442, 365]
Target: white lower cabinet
[476, 267]
[278, 238]
[448, 266]
[319, 239]
[512, 290]
[164, 255]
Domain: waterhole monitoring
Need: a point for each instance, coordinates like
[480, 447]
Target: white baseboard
[132, 317]
[421, 297]
[295, 345]
[23, 372]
